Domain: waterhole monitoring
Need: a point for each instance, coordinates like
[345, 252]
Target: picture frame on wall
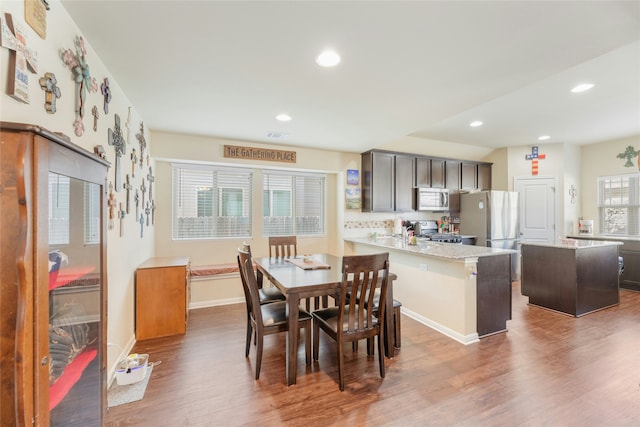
[352, 198]
[352, 177]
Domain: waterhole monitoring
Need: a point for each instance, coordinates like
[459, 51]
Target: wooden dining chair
[349, 322]
[267, 319]
[283, 246]
[267, 294]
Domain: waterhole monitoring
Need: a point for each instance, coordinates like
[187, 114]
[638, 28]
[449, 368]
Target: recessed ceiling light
[543, 137]
[284, 117]
[475, 123]
[582, 87]
[328, 58]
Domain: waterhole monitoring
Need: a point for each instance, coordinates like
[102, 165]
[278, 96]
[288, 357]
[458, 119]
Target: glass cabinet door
[75, 296]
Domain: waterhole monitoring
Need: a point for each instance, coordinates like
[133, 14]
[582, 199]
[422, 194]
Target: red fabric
[69, 377]
[62, 277]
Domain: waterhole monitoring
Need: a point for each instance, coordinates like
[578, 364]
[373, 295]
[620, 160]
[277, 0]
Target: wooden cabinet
[404, 183]
[469, 175]
[162, 297]
[452, 182]
[423, 172]
[484, 176]
[53, 288]
[378, 181]
[438, 174]
[630, 279]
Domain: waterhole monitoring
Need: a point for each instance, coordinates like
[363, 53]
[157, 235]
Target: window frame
[628, 206]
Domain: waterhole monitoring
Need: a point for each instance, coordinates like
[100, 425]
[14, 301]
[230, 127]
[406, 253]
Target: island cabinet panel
[630, 278]
[575, 281]
[493, 294]
[162, 290]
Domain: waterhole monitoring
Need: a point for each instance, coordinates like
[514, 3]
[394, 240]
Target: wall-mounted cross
[49, 84]
[136, 198]
[23, 59]
[143, 143]
[534, 156]
[151, 179]
[94, 112]
[134, 160]
[629, 154]
[121, 215]
[112, 202]
[106, 94]
[127, 186]
[143, 188]
[117, 140]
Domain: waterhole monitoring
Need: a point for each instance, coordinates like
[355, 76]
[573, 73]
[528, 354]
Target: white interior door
[537, 209]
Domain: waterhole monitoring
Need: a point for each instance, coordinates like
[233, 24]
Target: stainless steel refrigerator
[492, 216]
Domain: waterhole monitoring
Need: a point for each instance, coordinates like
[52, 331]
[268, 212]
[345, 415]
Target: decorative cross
[136, 198]
[147, 211]
[153, 211]
[22, 59]
[95, 113]
[77, 64]
[127, 186]
[106, 94]
[629, 154]
[112, 205]
[151, 179]
[49, 84]
[134, 160]
[122, 214]
[143, 143]
[534, 156]
[141, 221]
[143, 188]
[116, 139]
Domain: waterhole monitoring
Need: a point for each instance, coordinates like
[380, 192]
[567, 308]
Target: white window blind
[293, 204]
[211, 202]
[59, 193]
[92, 206]
[619, 205]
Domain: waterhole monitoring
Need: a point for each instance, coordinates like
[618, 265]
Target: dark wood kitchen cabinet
[469, 175]
[53, 287]
[378, 183]
[423, 172]
[484, 176]
[404, 183]
[452, 182]
[438, 175]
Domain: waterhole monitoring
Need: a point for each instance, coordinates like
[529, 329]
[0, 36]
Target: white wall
[124, 254]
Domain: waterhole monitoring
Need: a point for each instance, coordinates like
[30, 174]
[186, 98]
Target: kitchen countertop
[574, 243]
[603, 237]
[450, 251]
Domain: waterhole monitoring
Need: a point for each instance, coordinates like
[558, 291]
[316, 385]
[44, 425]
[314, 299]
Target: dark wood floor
[547, 370]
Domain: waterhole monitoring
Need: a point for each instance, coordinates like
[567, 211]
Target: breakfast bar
[459, 290]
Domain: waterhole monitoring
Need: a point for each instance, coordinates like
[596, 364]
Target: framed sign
[352, 177]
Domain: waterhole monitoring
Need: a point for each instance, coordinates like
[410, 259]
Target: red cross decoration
[22, 59]
[534, 156]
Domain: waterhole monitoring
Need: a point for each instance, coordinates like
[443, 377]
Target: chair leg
[307, 341]
[370, 345]
[259, 356]
[316, 339]
[340, 365]
[381, 352]
[249, 333]
[396, 323]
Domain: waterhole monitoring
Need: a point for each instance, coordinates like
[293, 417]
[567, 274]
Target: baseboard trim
[463, 339]
[215, 303]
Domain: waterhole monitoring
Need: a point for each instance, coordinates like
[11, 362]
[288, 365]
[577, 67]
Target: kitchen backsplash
[360, 224]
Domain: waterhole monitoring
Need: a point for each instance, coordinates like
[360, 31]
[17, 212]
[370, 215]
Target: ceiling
[421, 69]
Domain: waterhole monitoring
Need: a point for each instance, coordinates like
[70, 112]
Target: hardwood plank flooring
[547, 370]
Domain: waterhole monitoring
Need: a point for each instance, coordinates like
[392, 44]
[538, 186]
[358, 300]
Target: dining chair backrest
[361, 274]
[249, 283]
[283, 246]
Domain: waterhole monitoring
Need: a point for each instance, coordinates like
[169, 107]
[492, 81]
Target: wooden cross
[136, 198]
[49, 84]
[629, 154]
[143, 143]
[112, 205]
[127, 186]
[153, 211]
[116, 139]
[151, 179]
[143, 188]
[94, 112]
[106, 94]
[22, 58]
[147, 211]
[134, 160]
[122, 214]
[534, 156]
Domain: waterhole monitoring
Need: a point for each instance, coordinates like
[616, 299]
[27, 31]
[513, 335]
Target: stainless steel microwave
[432, 199]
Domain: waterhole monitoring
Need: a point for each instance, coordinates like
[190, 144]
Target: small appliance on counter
[585, 227]
[429, 229]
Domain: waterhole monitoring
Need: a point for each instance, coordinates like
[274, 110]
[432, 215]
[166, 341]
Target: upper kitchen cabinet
[469, 176]
[438, 175]
[423, 172]
[452, 182]
[388, 182]
[484, 176]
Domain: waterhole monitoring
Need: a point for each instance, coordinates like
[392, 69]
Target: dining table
[316, 275]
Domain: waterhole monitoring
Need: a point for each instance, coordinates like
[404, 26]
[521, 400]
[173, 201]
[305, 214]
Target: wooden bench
[212, 270]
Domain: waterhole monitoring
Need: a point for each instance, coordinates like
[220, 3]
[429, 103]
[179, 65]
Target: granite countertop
[450, 251]
[574, 243]
[603, 237]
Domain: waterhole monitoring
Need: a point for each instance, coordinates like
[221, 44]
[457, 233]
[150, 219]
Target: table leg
[293, 301]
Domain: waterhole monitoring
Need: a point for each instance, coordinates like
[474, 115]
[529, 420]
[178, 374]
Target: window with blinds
[619, 205]
[59, 193]
[293, 204]
[211, 202]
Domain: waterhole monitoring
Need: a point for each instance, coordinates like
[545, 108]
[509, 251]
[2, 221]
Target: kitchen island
[574, 277]
[461, 291]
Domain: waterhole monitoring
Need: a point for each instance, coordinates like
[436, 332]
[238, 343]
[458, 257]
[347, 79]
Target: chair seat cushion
[329, 317]
[270, 294]
[276, 313]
